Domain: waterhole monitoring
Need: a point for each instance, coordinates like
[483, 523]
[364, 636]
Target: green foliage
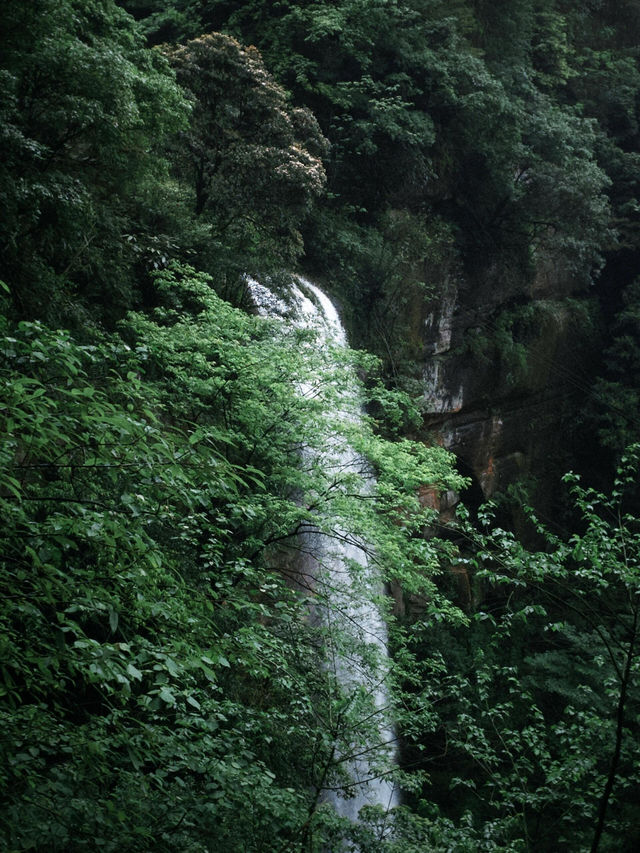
[164, 22]
[155, 645]
[84, 112]
[530, 715]
[116, 651]
[614, 403]
[446, 113]
[161, 683]
[520, 341]
[252, 160]
[551, 52]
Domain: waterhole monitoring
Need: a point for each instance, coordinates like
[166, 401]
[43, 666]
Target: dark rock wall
[506, 365]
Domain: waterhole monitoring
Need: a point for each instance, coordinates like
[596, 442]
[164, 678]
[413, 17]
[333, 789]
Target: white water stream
[348, 581]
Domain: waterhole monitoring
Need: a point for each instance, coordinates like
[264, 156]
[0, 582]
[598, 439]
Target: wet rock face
[504, 372]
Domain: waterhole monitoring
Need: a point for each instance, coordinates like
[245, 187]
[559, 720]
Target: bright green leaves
[111, 582]
[156, 634]
[532, 718]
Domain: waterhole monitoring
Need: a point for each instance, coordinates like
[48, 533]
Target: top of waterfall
[266, 300]
[310, 307]
[322, 309]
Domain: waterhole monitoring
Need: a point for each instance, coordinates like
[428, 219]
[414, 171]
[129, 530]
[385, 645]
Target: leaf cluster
[530, 714]
[159, 672]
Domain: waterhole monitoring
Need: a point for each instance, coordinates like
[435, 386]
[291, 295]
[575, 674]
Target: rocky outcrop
[505, 368]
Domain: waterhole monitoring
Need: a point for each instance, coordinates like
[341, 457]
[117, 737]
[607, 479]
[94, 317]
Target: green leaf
[134, 672]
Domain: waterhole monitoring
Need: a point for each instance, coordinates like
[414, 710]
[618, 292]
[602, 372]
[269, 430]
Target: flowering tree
[254, 161]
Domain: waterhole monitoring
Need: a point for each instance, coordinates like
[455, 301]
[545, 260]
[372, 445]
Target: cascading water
[346, 580]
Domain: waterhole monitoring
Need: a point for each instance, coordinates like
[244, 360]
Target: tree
[165, 22]
[85, 110]
[253, 161]
[159, 672]
[531, 715]
[445, 121]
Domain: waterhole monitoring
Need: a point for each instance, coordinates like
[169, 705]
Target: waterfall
[345, 576]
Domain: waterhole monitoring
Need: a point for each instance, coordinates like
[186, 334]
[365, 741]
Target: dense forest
[162, 685]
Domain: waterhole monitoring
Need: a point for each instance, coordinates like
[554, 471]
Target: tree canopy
[85, 111]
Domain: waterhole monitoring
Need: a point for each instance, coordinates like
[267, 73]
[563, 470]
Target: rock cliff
[505, 367]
